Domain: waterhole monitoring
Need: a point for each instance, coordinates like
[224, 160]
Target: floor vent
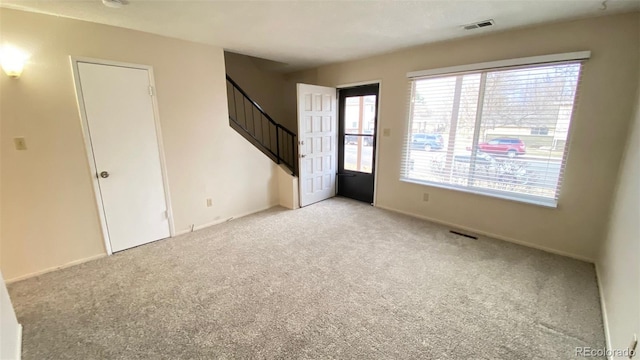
[479, 25]
[463, 234]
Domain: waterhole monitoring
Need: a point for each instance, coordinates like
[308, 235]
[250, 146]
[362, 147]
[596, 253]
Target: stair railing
[248, 118]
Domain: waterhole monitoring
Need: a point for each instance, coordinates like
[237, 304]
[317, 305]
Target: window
[498, 131]
[540, 131]
[359, 122]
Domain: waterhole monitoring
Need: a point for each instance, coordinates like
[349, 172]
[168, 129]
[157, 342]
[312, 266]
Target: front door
[358, 109]
[317, 142]
[121, 123]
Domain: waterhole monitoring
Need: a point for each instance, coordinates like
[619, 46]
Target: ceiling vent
[478, 25]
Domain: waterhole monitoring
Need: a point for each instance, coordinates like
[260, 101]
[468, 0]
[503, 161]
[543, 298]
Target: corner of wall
[10, 329]
[287, 189]
[617, 267]
[603, 306]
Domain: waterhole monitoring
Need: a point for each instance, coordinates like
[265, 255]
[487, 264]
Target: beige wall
[606, 101]
[10, 330]
[49, 217]
[618, 265]
[288, 188]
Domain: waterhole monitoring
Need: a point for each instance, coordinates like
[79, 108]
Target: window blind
[500, 132]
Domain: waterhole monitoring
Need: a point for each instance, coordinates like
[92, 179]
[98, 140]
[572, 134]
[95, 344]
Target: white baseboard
[54, 268]
[220, 221]
[19, 343]
[603, 306]
[488, 234]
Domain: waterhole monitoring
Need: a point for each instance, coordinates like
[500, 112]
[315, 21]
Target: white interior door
[121, 124]
[317, 134]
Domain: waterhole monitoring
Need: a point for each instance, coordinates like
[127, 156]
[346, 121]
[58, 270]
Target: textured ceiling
[310, 33]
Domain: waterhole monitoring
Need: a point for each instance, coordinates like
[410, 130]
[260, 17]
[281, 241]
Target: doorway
[358, 119]
[121, 129]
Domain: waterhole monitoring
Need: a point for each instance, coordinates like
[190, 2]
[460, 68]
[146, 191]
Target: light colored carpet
[338, 279]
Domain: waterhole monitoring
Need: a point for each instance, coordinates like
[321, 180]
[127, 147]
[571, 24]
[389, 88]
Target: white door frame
[89, 149]
[377, 135]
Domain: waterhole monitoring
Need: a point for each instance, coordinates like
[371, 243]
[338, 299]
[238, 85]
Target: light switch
[20, 143]
[386, 132]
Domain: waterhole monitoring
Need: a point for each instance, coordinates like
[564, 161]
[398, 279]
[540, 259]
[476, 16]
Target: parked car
[504, 146]
[366, 140]
[427, 142]
[350, 139]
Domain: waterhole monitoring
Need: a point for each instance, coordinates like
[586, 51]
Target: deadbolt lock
[104, 174]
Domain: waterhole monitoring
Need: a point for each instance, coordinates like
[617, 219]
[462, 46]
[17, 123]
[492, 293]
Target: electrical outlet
[425, 197]
[209, 203]
[20, 143]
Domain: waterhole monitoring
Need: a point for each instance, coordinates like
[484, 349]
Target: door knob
[104, 174]
[303, 155]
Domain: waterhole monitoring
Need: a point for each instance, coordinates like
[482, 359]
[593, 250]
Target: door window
[359, 128]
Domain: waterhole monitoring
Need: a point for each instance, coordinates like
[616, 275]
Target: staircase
[255, 125]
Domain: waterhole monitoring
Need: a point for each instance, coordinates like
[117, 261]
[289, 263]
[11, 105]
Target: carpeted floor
[338, 279]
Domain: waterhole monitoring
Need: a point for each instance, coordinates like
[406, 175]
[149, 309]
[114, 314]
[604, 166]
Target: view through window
[359, 126]
[498, 132]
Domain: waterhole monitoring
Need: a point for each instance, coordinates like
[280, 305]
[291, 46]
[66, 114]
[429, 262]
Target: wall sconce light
[12, 61]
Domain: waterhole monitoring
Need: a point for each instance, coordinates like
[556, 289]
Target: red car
[504, 146]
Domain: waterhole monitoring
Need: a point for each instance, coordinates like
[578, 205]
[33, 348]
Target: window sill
[533, 200]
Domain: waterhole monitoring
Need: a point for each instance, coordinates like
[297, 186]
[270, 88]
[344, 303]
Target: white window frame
[488, 66]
